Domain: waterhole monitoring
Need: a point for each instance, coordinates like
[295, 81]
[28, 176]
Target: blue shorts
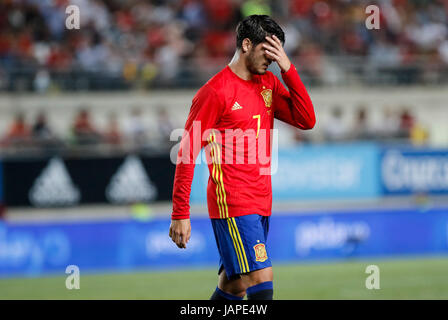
[241, 244]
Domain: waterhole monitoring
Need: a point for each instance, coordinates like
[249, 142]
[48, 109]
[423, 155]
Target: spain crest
[267, 97]
[260, 252]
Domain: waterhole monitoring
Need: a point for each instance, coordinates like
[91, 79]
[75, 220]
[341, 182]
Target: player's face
[258, 61]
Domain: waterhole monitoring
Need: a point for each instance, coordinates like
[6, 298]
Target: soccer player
[232, 116]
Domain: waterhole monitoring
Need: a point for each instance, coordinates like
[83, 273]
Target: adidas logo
[236, 106]
[131, 183]
[54, 187]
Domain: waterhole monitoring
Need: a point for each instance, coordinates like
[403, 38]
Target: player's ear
[246, 45]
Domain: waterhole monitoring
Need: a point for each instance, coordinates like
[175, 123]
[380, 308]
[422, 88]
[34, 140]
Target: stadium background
[86, 177]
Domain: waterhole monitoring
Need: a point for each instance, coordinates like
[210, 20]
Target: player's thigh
[257, 276]
[235, 285]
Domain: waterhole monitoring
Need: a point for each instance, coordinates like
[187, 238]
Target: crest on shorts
[267, 97]
[260, 252]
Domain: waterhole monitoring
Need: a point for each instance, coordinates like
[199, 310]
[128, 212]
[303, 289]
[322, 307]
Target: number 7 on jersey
[257, 116]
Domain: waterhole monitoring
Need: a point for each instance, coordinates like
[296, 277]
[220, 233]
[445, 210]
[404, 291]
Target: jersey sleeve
[204, 113]
[294, 106]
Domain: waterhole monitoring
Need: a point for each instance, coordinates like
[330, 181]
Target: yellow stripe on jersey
[243, 252]
[221, 184]
[215, 176]
[236, 245]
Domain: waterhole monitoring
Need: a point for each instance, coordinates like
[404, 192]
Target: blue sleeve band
[261, 286]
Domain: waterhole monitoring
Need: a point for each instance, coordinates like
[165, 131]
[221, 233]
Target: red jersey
[232, 118]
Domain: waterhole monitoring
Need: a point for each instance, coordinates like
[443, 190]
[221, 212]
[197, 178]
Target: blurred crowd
[127, 133]
[395, 125]
[165, 41]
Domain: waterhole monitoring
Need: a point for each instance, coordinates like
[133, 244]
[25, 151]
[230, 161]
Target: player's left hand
[275, 51]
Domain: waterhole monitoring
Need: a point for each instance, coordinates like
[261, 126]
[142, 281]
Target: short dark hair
[256, 28]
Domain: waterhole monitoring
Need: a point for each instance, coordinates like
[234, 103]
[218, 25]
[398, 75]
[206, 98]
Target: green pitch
[399, 279]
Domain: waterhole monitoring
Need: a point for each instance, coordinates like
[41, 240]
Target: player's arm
[204, 114]
[293, 106]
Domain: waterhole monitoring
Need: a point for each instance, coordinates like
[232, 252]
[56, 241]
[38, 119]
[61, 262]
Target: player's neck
[238, 66]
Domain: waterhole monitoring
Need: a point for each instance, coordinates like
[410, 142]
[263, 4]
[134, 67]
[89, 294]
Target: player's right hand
[180, 231]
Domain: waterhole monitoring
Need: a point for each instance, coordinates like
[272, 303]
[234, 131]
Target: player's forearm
[300, 101]
[182, 190]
